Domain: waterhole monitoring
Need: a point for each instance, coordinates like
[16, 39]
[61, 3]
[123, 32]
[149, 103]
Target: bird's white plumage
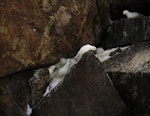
[63, 70]
[58, 71]
[83, 50]
[131, 14]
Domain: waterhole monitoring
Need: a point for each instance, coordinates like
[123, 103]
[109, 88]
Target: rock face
[38, 85]
[134, 59]
[36, 33]
[134, 90]
[127, 31]
[130, 72]
[14, 94]
[85, 91]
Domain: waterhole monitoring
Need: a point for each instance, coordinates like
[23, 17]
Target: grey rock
[15, 94]
[85, 91]
[130, 72]
[127, 31]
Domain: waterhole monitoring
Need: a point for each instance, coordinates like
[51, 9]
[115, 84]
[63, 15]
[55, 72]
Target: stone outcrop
[85, 91]
[127, 31]
[36, 34]
[39, 33]
[134, 90]
[130, 72]
[134, 59]
[15, 94]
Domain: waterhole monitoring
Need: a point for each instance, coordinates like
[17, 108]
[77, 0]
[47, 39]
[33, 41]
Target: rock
[15, 94]
[130, 72]
[134, 59]
[127, 31]
[134, 90]
[85, 91]
[102, 20]
[38, 85]
[39, 33]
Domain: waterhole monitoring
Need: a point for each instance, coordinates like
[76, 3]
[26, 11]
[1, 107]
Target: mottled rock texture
[127, 31]
[37, 33]
[134, 59]
[134, 90]
[85, 91]
[130, 74]
[14, 94]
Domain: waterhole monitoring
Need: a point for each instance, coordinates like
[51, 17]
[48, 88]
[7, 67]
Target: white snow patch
[36, 73]
[123, 48]
[131, 14]
[29, 110]
[66, 68]
[103, 55]
[52, 85]
[58, 71]
[99, 50]
[58, 75]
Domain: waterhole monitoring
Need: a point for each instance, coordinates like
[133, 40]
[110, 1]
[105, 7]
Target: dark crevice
[116, 12]
[104, 40]
[10, 78]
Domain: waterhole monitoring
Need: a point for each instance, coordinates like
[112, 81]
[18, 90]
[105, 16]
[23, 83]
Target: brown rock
[38, 85]
[85, 91]
[36, 33]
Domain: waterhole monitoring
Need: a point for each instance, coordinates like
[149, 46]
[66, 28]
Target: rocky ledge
[130, 72]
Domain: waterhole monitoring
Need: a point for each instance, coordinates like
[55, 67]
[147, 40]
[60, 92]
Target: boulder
[15, 94]
[38, 33]
[127, 31]
[130, 72]
[85, 91]
[133, 59]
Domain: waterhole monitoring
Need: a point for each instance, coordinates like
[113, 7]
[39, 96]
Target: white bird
[65, 69]
[131, 14]
[83, 50]
[51, 69]
[58, 71]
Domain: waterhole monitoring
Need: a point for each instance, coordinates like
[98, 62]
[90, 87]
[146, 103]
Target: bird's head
[125, 12]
